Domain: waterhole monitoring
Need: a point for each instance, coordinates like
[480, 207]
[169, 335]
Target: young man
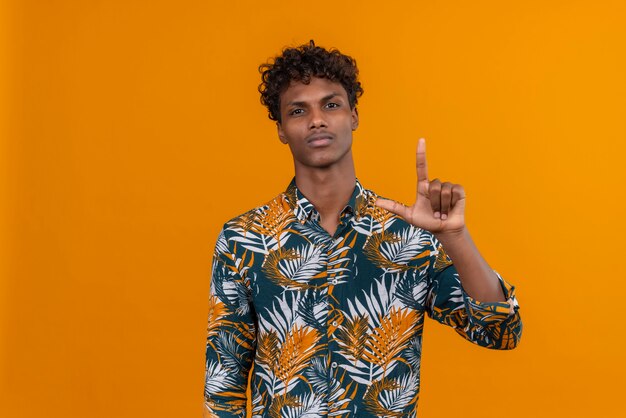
[323, 290]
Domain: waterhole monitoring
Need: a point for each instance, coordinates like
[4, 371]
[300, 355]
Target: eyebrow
[325, 98]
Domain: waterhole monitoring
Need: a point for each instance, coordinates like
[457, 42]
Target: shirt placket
[334, 317]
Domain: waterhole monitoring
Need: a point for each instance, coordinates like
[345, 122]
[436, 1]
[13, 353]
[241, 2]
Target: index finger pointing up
[422, 168]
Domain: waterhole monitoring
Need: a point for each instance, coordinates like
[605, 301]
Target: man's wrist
[448, 238]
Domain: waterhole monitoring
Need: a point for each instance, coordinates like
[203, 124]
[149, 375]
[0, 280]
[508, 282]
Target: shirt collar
[304, 209]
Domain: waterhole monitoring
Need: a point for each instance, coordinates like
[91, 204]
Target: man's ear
[281, 133]
[355, 118]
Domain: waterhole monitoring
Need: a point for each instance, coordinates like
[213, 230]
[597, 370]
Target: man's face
[317, 123]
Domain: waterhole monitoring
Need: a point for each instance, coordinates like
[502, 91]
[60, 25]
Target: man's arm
[478, 279]
[495, 325]
[230, 336]
[440, 208]
[491, 318]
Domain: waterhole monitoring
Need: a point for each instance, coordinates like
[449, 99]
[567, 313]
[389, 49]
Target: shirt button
[334, 323]
[334, 281]
[334, 365]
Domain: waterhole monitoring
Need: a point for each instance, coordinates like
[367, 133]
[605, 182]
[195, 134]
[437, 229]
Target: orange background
[132, 130]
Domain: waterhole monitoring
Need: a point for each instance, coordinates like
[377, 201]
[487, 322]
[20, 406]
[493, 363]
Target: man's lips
[319, 139]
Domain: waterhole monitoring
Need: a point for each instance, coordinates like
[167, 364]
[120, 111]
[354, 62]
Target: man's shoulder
[275, 208]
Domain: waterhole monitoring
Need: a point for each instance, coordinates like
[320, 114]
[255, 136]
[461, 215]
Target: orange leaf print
[387, 340]
[296, 352]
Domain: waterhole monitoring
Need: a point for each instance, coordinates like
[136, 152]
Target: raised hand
[438, 208]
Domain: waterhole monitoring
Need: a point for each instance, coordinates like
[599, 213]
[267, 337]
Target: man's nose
[317, 119]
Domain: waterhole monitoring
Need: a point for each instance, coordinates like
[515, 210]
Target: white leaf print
[310, 262]
[217, 379]
[412, 241]
[396, 400]
[281, 317]
[311, 406]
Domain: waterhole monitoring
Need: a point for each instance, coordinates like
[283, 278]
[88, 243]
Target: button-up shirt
[332, 325]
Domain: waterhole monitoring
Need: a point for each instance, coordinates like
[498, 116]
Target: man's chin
[322, 161]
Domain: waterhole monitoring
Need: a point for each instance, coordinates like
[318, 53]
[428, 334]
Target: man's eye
[332, 105]
[296, 112]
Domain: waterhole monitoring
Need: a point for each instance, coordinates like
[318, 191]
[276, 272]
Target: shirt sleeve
[495, 325]
[231, 335]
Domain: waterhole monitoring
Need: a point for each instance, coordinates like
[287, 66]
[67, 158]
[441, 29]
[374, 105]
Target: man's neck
[329, 190]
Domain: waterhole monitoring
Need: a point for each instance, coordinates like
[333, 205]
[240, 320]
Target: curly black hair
[302, 63]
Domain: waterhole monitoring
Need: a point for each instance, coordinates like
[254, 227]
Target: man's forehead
[317, 89]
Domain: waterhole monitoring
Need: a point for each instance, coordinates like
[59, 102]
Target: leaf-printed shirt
[331, 326]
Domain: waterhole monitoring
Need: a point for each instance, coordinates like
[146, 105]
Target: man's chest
[352, 272]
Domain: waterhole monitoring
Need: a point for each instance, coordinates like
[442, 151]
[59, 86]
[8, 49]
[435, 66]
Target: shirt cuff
[488, 313]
